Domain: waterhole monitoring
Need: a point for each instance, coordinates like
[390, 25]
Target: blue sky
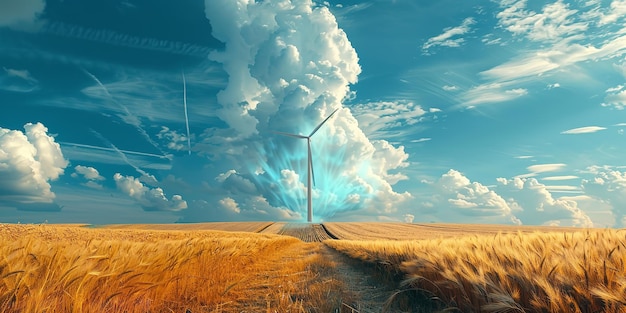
[136, 111]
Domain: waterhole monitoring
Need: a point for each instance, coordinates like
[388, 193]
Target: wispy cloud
[125, 40]
[451, 37]
[554, 22]
[491, 93]
[421, 140]
[583, 130]
[542, 168]
[17, 80]
[565, 177]
[524, 157]
[382, 119]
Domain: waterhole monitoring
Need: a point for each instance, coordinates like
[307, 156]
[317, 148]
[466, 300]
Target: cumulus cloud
[21, 13]
[583, 130]
[173, 139]
[289, 67]
[511, 201]
[90, 175]
[150, 199]
[615, 98]
[451, 37]
[609, 186]
[460, 200]
[408, 218]
[534, 204]
[29, 161]
[230, 204]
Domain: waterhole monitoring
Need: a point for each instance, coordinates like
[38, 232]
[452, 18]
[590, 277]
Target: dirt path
[366, 293]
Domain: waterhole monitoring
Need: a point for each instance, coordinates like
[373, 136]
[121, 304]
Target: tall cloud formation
[290, 66]
[29, 160]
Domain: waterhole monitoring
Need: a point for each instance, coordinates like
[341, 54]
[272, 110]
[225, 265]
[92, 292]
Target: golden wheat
[71, 269]
[580, 271]
[406, 231]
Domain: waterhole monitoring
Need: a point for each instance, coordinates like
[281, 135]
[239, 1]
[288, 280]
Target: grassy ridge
[539, 272]
[71, 269]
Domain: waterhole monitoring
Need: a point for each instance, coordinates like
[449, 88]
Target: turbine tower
[310, 173]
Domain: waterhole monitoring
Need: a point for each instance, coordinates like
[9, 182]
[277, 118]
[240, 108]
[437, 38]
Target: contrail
[129, 117]
[186, 116]
[123, 156]
[110, 149]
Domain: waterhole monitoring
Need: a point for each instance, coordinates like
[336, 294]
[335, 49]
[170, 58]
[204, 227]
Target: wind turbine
[310, 173]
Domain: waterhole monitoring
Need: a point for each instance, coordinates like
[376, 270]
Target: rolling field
[47, 268]
[300, 267]
[253, 227]
[579, 271]
[403, 231]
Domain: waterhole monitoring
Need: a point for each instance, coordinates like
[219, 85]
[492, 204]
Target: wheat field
[581, 271]
[45, 268]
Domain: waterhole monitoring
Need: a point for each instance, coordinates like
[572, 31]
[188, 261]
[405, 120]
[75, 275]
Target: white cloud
[408, 218]
[534, 204]
[609, 186]
[491, 93]
[615, 12]
[290, 66]
[90, 174]
[450, 88]
[544, 168]
[114, 38]
[421, 140]
[554, 22]
[450, 36]
[150, 199]
[87, 172]
[614, 89]
[379, 119]
[29, 160]
[565, 177]
[175, 141]
[17, 81]
[21, 13]
[553, 86]
[230, 204]
[615, 98]
[583, 130]
[457, 199]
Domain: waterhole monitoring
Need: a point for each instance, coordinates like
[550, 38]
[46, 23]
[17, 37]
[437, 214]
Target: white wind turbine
[310, 173]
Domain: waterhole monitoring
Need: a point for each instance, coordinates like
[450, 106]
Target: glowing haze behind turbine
[310, 172]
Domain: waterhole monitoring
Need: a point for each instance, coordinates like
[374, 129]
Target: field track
[306, 232]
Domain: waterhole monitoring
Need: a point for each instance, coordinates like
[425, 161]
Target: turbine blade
[290, 135]
[322, 123]
[311, 160]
